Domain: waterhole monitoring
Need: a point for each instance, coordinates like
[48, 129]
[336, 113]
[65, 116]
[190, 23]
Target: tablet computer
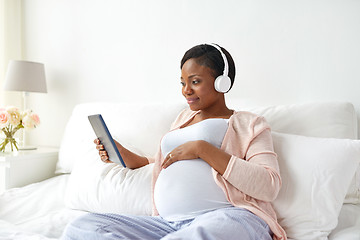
[102, 132]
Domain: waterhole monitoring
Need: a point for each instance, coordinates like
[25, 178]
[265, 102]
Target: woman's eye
[195, 82]
[182, 84]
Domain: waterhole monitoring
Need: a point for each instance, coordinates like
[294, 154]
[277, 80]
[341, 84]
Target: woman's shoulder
[245, 115]
[245, 119]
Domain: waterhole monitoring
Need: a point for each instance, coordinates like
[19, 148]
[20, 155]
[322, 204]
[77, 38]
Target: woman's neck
[218, 111]
[224, 114]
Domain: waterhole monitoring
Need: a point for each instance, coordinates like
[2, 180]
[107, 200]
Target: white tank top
[187, 188]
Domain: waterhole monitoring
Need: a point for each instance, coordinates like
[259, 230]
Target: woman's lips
[191, 100]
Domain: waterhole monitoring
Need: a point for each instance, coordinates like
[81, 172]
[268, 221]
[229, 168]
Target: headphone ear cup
[222, 84]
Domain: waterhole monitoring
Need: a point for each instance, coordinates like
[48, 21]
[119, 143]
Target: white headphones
[222, 83]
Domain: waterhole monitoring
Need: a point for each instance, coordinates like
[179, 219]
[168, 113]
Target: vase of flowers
[11, 120]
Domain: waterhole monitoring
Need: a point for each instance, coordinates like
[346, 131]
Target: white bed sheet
[348, 227]
[37, 212]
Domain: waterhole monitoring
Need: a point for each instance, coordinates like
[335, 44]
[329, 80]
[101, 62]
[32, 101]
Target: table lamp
[25, 77]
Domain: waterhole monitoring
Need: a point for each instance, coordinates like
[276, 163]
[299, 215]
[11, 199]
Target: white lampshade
[26, 77]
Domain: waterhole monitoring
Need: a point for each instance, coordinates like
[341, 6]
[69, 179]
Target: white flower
[14, 115]
[31, 120]
[25, 113]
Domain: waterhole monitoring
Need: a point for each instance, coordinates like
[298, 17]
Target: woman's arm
[257, 175]
[131, 159]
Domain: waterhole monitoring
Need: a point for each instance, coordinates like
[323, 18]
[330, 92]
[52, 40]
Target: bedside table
[21, 168]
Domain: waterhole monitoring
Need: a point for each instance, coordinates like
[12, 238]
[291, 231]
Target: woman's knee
[85, 227]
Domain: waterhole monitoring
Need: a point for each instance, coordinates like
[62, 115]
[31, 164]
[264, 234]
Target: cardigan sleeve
[253, 167]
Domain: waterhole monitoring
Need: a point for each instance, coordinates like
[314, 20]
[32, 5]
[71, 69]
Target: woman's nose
[187, 89]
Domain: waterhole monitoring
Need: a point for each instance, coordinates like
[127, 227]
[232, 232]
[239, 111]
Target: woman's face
[198, 86]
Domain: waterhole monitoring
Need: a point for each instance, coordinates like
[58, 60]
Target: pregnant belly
[186, 189]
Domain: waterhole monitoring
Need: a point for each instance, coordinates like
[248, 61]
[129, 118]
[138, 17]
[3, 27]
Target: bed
[316, 143]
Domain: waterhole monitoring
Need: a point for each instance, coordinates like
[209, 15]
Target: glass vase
[8, 144]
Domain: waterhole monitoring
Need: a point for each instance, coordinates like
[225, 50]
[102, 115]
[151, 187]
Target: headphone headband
[226, 65]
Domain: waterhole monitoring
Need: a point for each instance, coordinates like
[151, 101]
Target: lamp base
[26, 148]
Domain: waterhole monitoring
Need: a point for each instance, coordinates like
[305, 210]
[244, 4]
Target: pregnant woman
[215, 173]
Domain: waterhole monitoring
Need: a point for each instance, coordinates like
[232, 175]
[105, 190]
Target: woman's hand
[102, 152]
[131, 159]
[215, 157]
[188, 150]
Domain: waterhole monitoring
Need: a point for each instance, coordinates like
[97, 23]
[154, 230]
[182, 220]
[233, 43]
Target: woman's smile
[192, 100]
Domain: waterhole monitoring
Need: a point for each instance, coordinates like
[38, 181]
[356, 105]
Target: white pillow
[315, 119]
[100, 187]
[316, 174]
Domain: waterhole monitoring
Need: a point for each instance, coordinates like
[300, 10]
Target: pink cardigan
[251, 179]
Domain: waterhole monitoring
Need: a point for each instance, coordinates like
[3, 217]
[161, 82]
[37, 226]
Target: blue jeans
[226, 223]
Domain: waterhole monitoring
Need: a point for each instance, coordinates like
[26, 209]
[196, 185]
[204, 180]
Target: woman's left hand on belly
[215, 157]
[186, 151]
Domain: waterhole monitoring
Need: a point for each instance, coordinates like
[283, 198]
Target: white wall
[10, 45]
[114, 50]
